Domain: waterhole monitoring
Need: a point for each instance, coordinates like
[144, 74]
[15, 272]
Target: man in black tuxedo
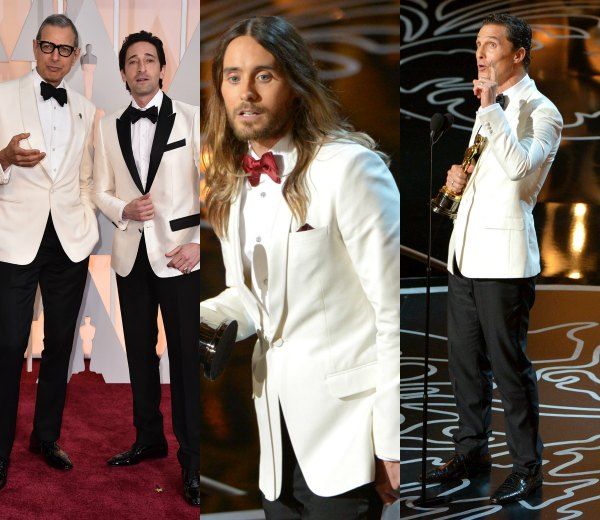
[146, 181]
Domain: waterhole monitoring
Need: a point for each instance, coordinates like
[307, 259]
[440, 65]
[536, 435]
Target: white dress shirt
[56, 127]
[259, 206]
[142, 137]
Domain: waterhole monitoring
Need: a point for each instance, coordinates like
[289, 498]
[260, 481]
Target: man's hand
[14, 154]
[184, 257]
[387, 480]
[486, 88]
[457, 179]
[140, 209]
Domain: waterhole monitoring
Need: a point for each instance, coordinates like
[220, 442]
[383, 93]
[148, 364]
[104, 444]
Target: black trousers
[62, 283]
[487, 334]
[298, 502]
[140, 294]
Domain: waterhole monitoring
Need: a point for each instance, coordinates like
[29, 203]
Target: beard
[273, 125]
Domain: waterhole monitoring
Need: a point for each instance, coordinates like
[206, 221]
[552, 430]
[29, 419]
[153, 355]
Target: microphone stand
[424, 500]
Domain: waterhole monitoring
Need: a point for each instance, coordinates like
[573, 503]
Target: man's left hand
[387, 480]
[184, 257]
[486, 88]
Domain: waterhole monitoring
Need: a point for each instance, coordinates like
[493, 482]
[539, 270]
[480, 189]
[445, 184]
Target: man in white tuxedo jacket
[47, 230]
[146, 181]
[308, 217]
[493, 259]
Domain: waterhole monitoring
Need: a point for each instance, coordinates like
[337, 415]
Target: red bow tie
[255, 167]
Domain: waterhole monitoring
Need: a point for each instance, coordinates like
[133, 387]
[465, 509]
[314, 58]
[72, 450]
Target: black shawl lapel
[124, 134]
[164, 125]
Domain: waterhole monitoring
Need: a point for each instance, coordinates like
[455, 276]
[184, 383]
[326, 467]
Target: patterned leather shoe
[191, 487]
[138, 453]
[517, 486]
[458, 467]
[54, 456]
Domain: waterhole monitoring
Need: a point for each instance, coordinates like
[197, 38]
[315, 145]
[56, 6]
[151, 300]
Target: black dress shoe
[138, 453]
[518, 486]
[3, 472]
[191, 487]
[458, 467]
[53, 455]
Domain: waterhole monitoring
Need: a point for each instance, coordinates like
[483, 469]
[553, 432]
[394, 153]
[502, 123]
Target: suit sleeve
[104, 182]
[368, 215]
[86, 169]
[228, 305]
[520, 157]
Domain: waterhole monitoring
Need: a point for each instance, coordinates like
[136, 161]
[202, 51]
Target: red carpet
[97, 424]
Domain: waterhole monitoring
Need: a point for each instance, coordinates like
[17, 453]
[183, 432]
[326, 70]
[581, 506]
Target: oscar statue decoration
[446, 202]
[216, 345]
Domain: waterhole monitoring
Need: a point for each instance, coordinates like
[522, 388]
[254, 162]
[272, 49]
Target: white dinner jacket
[494, 234]
[28, 195]
[173, 183]
[328, 345]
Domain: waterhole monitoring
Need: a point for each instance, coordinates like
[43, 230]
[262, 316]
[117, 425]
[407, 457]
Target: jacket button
[278, 343]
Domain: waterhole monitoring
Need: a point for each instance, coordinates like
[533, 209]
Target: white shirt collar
[515, 91]
[284, 152]
[155, 101]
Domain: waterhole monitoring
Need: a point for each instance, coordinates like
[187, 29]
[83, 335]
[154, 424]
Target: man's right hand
[14, 154]
[139, 209]
[457, 179]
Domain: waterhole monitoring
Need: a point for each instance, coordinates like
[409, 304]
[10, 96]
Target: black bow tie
[502, 100]
[135, 115]
[48, 91]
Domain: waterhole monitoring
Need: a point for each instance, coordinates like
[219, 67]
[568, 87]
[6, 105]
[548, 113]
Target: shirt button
[265, 281]
[263, 194]
[54, 149]
[258, 239]
[53, 128]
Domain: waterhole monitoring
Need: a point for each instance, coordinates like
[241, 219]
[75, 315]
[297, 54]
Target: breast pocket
[314, 236]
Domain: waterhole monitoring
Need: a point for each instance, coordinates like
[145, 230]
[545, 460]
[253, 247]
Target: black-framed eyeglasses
[48, 48]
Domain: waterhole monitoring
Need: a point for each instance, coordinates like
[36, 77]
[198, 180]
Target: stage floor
[564, 345]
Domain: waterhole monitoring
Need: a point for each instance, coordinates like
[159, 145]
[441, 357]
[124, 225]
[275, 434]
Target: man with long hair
[308, 217]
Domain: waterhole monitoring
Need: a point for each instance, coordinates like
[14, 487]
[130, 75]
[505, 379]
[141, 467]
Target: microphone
[439, 125]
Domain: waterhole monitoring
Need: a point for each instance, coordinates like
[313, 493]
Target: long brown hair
[316, 120]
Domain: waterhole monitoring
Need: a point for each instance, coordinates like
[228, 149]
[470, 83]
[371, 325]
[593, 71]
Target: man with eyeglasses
[48, 228]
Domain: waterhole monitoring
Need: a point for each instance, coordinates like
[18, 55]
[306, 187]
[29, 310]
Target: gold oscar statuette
[446, 202]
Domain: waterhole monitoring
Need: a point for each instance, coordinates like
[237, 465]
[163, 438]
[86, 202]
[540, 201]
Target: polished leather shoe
[458, 467]
[191, 487]
[52, 454]
[3, 472]
[138, 453]
[517, 486]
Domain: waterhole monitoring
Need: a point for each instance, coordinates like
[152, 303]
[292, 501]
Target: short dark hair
[58, 20]
[518, 32]
[142, 36]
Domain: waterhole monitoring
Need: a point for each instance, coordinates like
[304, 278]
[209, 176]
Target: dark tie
[135, 115]
[49, 91]
[255, 167]
[501, 100]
